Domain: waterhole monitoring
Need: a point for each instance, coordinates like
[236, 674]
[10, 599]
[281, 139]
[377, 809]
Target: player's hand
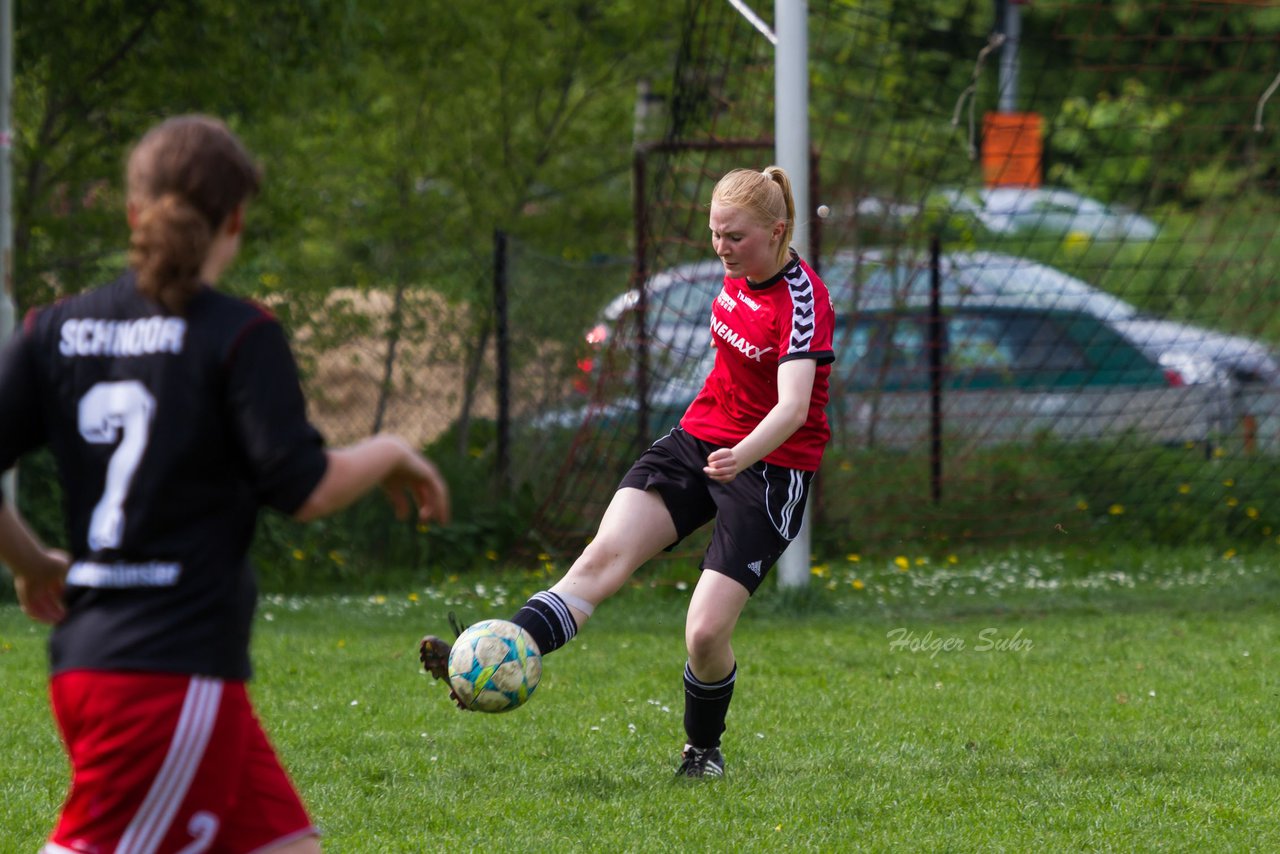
[722, 465]
[418, 477]
[39, 587]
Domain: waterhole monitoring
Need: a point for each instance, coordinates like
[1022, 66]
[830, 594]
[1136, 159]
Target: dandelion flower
[1116, 509]
[902, 563]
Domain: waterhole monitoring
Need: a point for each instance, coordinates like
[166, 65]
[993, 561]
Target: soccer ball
[494, 666]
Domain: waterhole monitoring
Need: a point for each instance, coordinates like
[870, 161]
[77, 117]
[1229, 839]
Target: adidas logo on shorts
[755, 565]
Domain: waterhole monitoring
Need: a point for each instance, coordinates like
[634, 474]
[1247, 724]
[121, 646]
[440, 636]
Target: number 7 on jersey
[107, 411]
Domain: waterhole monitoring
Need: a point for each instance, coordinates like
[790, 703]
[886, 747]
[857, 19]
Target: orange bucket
[1012, 149]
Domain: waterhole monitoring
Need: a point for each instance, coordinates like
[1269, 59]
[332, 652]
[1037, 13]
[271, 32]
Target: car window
[979, 344]
[882, 352]
[982, 349]
[1028, 347]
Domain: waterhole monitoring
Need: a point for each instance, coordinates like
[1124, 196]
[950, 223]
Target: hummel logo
[755, 566]
[752, 304]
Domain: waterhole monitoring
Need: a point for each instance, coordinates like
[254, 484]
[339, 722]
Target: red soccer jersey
[754, 327]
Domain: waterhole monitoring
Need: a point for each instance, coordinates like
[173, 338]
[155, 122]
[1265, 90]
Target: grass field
[1016, 702]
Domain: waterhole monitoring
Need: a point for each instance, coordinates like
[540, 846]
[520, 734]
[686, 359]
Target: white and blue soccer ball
[494, 666]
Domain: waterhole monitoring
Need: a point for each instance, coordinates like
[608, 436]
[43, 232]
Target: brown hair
[765, 195]
[185, 176]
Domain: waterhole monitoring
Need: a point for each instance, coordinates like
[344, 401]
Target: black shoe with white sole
[697, 762]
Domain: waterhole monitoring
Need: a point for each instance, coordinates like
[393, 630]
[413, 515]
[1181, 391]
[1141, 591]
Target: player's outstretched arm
[38, 572]
[383, 460]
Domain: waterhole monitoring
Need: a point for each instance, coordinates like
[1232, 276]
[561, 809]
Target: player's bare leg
[714, 608]
[635, 527]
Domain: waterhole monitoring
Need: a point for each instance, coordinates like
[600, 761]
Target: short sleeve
[22, 418]
[806, 331]
[285, 453]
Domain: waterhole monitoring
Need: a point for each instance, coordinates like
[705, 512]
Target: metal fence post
[502, 343]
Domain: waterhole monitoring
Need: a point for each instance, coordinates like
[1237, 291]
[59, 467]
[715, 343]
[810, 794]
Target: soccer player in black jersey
[175, 414]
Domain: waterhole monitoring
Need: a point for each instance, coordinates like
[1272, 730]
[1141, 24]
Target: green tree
[91, 74]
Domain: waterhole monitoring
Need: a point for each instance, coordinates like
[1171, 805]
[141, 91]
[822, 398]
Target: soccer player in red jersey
[744, 455]
[175, 414]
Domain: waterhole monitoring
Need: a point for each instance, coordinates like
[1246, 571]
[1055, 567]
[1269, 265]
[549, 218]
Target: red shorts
[168, 763]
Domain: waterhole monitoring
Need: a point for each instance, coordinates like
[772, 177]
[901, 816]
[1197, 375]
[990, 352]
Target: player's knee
[705, 640]
[604, 562]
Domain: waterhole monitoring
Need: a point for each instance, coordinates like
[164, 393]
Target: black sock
[705, 707]
[548, 621]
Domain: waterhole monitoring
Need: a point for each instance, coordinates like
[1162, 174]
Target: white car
[1194, 353]
[1048, 210]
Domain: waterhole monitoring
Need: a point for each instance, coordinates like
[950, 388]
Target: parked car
[679, 302]
[1052, 211]
[1009, 369]
[678, 305]
[1193, 353]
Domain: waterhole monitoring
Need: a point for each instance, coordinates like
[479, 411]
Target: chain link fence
[1090, 350]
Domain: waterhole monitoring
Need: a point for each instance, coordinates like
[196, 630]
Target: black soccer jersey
[170, 432]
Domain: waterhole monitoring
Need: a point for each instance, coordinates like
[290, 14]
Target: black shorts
[757, 514]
